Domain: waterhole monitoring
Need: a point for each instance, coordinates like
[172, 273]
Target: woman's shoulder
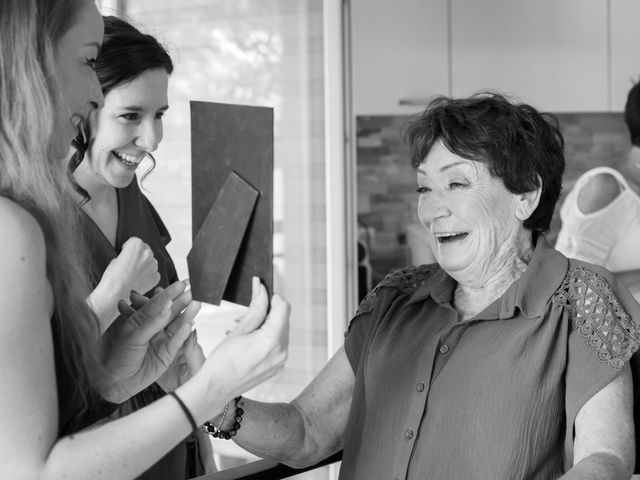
[20, 231]
[597, 188]
[600, 311]
[408, 279]
[402, 281]
[23, 279]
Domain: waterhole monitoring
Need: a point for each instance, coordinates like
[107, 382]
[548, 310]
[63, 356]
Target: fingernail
[194, 336]
[132, 293]
[255, 283]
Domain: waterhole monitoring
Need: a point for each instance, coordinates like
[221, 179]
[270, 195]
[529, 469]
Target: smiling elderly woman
[505, 360]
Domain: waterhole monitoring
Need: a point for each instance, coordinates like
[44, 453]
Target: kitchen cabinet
[550, 53]
[625, 50]
[399, 52]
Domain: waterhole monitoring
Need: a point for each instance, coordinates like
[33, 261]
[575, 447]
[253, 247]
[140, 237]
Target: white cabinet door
[550, 53]
[625, 50]
[399, 52]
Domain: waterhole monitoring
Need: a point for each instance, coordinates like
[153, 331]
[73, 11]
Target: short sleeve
[360, 325]
[354, 339]
[602, 338]
[590, 237]
[374, 305]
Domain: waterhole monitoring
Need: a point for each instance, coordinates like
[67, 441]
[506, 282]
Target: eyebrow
[134, 108]
[445, 168]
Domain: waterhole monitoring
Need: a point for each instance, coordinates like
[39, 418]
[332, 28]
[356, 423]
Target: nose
[431, 208]
[149, 134]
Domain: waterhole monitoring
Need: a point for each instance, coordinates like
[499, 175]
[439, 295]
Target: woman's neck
[95, 186]
[470, 298]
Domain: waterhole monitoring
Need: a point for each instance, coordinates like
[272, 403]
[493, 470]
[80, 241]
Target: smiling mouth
[127, 160]
[445, 238]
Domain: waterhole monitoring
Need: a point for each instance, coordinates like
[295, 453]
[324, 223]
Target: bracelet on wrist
[216, 431]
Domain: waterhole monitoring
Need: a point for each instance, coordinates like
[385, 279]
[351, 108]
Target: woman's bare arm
[29, 443]
[604, 444]
[308, 429]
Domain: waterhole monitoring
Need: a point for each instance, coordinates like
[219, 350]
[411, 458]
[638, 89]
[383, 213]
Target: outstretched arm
[30, 446]
[604, 444]
[308, 429]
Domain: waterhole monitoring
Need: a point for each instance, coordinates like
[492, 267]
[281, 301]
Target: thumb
[193, 353]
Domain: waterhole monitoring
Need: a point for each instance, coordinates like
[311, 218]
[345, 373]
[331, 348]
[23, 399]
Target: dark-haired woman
[124, 233]
[503, 360]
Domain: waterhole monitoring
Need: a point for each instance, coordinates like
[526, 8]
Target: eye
[131, 117]
[422, 190]
[91, 63]
[454, 185]
[159, 115]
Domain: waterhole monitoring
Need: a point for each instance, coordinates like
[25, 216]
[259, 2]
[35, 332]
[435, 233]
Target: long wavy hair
[31, 30]
[126, 53]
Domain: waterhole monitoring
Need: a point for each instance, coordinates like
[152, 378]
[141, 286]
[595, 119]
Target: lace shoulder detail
[598, 316]
[407, 280]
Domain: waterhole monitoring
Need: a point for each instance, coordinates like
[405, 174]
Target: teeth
[128, 159]
[445, 235]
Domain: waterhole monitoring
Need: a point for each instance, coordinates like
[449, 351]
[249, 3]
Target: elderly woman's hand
[141, 344]
[253, 351]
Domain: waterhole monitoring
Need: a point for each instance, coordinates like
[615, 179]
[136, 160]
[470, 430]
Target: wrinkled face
[79, 91]
[128, 127]
[469, 214]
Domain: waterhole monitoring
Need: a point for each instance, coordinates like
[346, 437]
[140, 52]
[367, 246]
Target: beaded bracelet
[216, 432]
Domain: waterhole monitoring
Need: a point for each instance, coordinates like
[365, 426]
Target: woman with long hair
[55, 362]
[125, 235]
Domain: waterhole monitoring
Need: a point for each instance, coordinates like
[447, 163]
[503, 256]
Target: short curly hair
[521, 146]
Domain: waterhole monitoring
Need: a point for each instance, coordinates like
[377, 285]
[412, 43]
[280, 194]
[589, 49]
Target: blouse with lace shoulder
[495, 396]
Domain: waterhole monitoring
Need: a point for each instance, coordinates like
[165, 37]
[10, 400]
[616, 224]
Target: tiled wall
[387, 198]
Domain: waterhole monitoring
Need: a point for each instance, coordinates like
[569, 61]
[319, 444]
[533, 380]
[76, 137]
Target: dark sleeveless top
[138, 218]
[74, 414]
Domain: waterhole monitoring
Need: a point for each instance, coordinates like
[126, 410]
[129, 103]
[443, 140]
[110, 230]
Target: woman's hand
[144, 340]
[253, 351]
[187, 363]
[135, 268]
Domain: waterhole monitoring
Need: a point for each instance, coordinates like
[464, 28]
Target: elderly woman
[505, 360]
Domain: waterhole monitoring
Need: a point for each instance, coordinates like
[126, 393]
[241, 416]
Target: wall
[562, 56]
[387, 198]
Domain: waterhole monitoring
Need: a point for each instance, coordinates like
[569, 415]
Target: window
[267, 53]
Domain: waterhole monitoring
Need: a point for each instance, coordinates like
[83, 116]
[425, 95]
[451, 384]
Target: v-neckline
[116, 241]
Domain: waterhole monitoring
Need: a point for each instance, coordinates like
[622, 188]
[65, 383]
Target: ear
[527, 202]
